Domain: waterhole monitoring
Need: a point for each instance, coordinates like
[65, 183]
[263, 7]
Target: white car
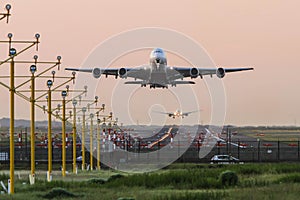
[224, 159]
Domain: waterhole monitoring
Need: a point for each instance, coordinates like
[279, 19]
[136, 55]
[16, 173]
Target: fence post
[239, 149]
[258, 150]
[278, 150]
[298, 149]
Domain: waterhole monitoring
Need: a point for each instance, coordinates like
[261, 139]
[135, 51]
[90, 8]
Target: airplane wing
[169, 114]
[141, 72]
[79, 70]
[181, 72]
[187, 113]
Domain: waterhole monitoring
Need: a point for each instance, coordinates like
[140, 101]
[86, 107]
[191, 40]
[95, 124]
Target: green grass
[178, 181]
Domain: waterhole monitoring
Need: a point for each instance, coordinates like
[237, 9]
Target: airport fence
[246, 151]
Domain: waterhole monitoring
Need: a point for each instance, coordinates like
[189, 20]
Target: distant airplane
[158, 74]
[209, 133]
[177, 113]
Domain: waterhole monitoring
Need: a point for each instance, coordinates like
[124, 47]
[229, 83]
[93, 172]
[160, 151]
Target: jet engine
[122, 72]
[220, 72]
[194, 72]
[97, 72]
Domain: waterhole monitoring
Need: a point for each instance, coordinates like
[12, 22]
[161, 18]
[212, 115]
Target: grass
[178, 181]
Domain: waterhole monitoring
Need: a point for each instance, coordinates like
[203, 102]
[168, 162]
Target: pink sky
[263, 34]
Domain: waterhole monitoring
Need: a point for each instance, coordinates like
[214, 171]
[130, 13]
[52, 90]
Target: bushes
[58, 193]
[228, 178]
[178, 179]
[97, 181]
[115, 177]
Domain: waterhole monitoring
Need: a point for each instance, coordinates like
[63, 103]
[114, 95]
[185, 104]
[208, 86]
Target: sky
[262, 34]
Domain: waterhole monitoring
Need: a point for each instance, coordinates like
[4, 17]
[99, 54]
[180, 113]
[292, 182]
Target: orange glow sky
[263, 34]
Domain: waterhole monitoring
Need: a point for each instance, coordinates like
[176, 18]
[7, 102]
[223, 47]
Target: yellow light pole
[49, 176]
[12, 88]
[91, 141]
[98, 141]
[32, 124]
[64, 94]
[65, 118]
[74, 102]
[12, 53]
[83, 138]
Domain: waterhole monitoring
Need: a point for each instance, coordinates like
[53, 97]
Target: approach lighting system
[35, 57]
[37, 37]
[64, 93]
[12, 52]
[73, 74]
[58, 62]
[85, 89]
[33, 69]
[8, 7]
[7, 14]
[96, 99]
[53, 74]
[80, 97]
[9, 35]
[49, 83]
[74, 102]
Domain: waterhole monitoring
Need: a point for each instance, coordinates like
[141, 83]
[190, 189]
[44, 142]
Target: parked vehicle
[224, 159]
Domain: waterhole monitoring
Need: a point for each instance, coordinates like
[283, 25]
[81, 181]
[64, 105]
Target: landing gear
[158, 86]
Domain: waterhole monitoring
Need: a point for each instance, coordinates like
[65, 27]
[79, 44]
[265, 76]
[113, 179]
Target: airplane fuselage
[158, 66]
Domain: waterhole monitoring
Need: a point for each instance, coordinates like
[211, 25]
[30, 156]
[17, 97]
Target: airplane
[210, 134]
[157, 74]
[177, 113]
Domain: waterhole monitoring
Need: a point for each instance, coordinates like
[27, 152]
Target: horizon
[146, 125]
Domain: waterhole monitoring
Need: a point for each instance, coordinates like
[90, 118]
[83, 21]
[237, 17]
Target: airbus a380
[158, 74]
